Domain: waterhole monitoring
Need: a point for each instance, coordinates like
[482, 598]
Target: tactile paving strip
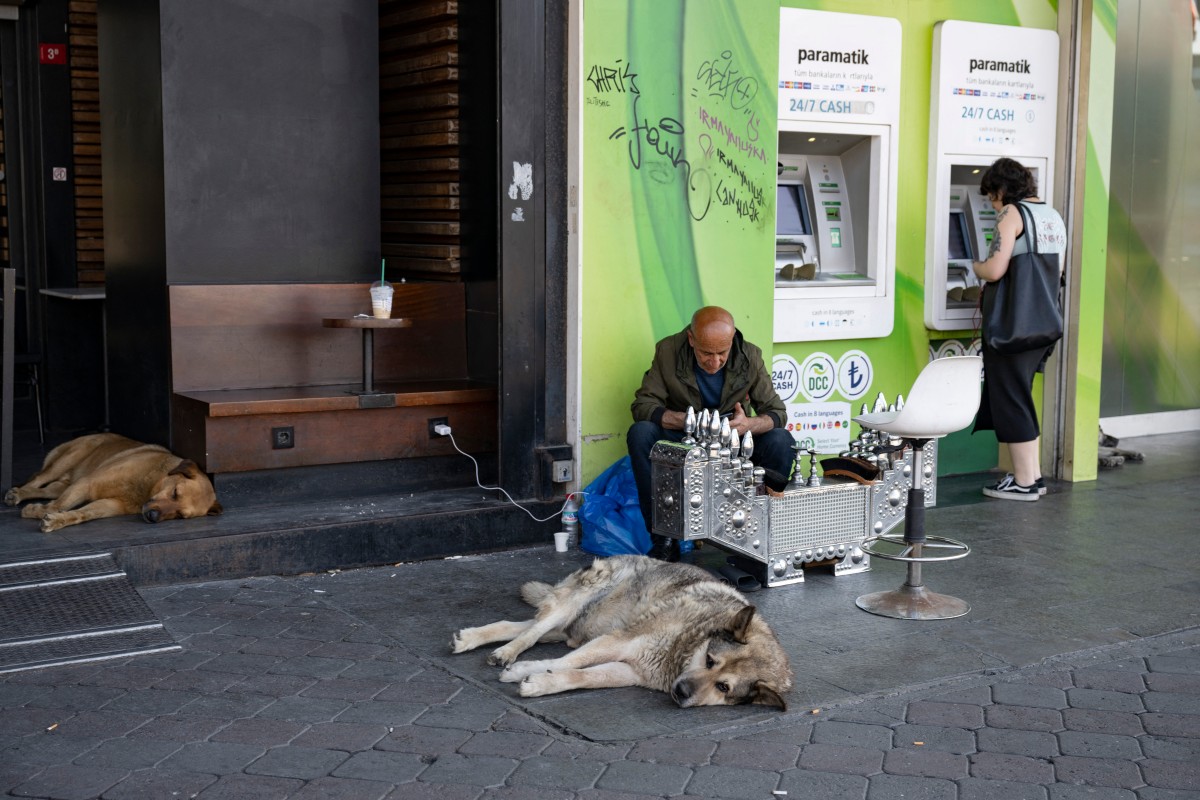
[72, 610]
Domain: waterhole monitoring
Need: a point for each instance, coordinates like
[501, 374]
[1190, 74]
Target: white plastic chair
[943, 400]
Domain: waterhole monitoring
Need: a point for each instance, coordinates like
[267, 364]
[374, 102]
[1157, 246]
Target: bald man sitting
[707, 365]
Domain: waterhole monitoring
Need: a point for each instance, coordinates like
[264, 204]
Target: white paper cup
[560, 541]
[381, 300]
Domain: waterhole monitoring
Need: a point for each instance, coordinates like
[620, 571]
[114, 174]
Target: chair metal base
[912, 602]
[949, 549]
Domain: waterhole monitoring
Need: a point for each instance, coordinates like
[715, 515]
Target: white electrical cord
[444, 430]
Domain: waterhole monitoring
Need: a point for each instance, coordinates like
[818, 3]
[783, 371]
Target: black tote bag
[1021, 311]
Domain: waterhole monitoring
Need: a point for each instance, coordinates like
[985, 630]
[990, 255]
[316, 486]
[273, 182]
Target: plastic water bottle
[570, 521]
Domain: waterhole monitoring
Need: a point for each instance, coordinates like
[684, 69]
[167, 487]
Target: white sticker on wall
[824, 427]
[818, 377]
[854, 374]
[785, 374]
[522, 181]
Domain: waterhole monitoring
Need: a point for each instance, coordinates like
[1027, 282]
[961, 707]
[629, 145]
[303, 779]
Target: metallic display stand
[705, 488]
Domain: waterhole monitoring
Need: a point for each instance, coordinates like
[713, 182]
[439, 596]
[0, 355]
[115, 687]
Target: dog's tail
[1108, 441]
[534, 592]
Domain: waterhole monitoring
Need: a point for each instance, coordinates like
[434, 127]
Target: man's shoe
[1007, 488]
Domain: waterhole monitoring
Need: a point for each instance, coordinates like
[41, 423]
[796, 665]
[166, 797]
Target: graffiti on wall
[723, 134]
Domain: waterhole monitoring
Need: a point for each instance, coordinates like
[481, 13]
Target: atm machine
[994, 93]
[815, 235]
[835, 222]
[970, 228]
[962, 287]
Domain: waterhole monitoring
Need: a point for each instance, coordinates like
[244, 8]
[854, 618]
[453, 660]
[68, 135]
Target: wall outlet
[434, 422]
[561, 472]
[283, 438]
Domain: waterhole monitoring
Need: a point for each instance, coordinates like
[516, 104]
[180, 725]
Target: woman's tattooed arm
[995, 246]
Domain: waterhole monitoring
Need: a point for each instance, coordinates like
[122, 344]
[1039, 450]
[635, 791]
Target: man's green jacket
[670, 383]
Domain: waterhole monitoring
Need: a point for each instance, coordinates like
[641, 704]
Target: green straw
[382, 268]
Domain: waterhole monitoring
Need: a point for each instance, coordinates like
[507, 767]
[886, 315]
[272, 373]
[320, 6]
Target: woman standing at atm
[1007, 403]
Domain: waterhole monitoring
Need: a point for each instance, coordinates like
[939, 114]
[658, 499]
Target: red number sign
[52, 53]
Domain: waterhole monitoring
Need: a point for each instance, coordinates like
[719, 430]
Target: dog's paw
[519, 670]
[501, 657]
[53, 521]
[34, 511]
[12, 497]
[537, 685]
[1111, 461]
[459, 643]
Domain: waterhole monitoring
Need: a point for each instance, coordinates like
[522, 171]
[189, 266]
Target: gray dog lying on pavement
[637, 621]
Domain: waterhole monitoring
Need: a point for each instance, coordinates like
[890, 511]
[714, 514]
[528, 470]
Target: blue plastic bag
[611, 517]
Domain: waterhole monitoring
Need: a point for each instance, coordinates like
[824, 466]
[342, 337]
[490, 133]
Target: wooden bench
[259, 383]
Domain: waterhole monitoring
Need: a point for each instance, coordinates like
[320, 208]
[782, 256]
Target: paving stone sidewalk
[278, 693]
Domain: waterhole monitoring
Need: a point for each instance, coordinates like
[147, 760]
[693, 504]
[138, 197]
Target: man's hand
[674, 420]
[756, 425]
[738, 421]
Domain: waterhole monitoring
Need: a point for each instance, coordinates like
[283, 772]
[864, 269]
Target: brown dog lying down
[106, 475]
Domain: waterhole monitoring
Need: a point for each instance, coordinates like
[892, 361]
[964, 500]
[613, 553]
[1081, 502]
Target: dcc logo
[818, 377]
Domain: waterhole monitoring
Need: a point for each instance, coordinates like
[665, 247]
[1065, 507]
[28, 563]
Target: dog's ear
[187, 468]
[740, 626]
[215, 509]
[766, 696]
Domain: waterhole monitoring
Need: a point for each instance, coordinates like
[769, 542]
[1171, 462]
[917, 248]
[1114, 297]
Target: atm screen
[958, 248]
[791, 215]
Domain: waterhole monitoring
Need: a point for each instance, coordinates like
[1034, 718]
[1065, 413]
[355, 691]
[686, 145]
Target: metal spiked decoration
[798, 465]
[747, 464]
[814, 479]
[689, 427]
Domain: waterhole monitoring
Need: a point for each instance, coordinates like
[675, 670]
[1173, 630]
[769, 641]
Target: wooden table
[367, 325]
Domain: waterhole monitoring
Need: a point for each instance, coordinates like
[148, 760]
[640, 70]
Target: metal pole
[368, 360]
[8, 321]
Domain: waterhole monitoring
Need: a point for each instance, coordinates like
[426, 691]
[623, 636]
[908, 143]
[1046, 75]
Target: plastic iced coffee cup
[381, 300]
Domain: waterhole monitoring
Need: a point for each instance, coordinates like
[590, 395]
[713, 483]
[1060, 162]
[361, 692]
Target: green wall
[658, 241]
[678, 119]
